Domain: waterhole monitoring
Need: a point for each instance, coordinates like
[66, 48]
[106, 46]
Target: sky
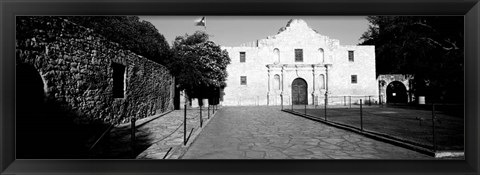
[236, 30]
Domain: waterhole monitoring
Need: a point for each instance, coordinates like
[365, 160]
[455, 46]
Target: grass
[410, 123]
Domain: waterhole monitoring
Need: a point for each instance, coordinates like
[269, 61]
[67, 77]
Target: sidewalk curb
[179, 151]
[380, 137]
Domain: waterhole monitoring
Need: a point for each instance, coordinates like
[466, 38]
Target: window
[321, 55]
[277, 81]
[242, 57]
[118, 80]
[354, 79]
[277, 55]
[322, 81]
[243, 80]
[350, 56]
[298, 55]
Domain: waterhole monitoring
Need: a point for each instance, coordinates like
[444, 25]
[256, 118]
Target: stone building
[299, 66]
[72, 84]
[85, 74]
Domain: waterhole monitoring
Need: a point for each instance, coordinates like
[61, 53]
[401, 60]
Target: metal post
[298, 98]
[369, 101]
[185, 124]
[201, 119]
[344, 100]
[350, 101]
[132, 135]
[305, 109]
[433, 127]
[281, 100]
[208, 109]
[361, 116]
[292, 102]
[325, 109]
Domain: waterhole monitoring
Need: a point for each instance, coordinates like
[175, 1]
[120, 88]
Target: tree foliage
[428, 47]
[138, 36]
[199, 65]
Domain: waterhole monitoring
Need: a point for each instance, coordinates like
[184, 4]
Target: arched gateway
[396, 92]
[299, 91]
[395, 88]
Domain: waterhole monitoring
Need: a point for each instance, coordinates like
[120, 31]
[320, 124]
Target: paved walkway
[155, 136]
[268, 133]
[167, 132]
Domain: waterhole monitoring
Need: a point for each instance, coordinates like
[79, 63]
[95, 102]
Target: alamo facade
[299, 66]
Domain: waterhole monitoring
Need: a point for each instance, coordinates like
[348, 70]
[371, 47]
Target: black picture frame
[469, 8]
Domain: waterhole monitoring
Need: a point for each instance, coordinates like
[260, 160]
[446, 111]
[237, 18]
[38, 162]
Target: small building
[300, 66]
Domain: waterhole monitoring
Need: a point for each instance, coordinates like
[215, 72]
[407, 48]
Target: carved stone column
[326, 84]
[314, 90]
[281, 84]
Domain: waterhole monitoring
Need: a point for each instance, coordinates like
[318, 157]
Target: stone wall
[76, 66]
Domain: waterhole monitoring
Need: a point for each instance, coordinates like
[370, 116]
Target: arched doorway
[299, 91]
[396, 93]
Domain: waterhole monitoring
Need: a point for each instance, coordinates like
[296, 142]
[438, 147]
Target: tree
[199, 65]
[428, 47]
[141, 37]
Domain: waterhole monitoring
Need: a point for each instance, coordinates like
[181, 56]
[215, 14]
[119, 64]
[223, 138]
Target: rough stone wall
[389, 78]
[261, 66]
[75, 64]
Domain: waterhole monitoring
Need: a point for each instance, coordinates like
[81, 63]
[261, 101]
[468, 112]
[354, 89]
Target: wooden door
[299, 92]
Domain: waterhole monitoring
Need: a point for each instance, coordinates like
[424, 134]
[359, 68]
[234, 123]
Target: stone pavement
[155, 136]
[167, 132]
[268, 133]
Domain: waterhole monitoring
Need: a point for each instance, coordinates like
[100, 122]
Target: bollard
[344, 100]
[185, 125]
[208, 111]
[132, 136]
[361, 116]
[433, 128]
[369, 101]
